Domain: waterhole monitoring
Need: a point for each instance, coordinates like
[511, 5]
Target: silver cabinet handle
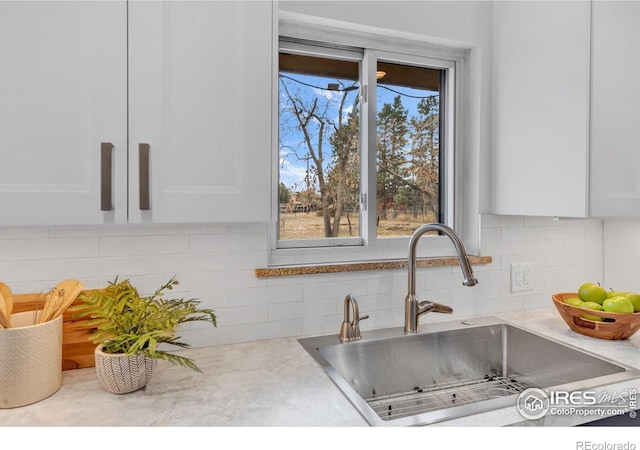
[143, 172]
[106, 167]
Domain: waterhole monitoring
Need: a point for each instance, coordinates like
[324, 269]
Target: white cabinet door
[200, 99]
[540, 108]
[615, 110]
[62, 95]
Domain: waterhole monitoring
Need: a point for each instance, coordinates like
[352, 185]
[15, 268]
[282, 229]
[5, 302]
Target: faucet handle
[429, 306]
[350, 329]
[439, 308]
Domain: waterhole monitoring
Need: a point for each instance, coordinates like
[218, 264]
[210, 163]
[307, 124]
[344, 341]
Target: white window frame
[458, 207]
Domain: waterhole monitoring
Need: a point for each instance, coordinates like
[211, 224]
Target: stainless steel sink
[454, 370]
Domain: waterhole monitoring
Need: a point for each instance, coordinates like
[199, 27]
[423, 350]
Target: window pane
[408, 148]
[319, 147]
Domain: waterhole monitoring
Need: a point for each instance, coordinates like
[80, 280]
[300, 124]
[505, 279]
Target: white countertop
[265, 383]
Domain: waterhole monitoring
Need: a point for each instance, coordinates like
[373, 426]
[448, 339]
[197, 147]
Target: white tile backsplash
[215, 263]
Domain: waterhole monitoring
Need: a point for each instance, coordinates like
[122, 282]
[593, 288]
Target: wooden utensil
[8, 300]
[51, 304]
[70, 290]
[4, 320]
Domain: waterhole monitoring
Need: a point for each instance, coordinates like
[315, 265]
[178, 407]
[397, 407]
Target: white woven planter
[121, 374]
[30, 360]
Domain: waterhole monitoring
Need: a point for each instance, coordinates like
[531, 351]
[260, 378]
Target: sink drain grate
[423, 399]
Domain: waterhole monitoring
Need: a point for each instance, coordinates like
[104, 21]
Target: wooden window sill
[285, 271]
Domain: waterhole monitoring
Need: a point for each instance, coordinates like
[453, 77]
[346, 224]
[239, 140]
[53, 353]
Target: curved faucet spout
[413, 308]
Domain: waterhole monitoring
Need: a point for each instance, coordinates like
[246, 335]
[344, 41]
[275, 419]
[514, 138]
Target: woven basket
[121, 374]
[618, 327]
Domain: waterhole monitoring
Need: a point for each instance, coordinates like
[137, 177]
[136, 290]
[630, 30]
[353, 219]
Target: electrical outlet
[521, 277]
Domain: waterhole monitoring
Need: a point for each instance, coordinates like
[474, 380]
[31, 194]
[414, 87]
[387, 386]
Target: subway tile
[463, 310]
[541, 221]
[224, 279]
[249, 228]
[492, 306]
[23, 249]
[238, 315]
[544, 246]
[539, 288]
[550, 273]
[579, 257]
[380, 285]
[302, 279]
[503, 248]
[492, 277]
[566, 285]
[263, 295]
[317, 291]
[536, 301]
[143, 245]
[160, 229]
[205, 337]
[314, 326]
[593, 230]
[286, 311]
[188, 263]
[383, 319]
[565, 232]
[123, 267]
[491, 221]
[322, 308]
[477, 292]
[148, 284]
[594, 243]
[96, 231]
[211, 243]
[215, 264]
[248, 260]
[30, 287]
[212, 299]
[24, 271]
[586, 271]
[368, 304]
[445, 281]
[23, 233]
[490, 235]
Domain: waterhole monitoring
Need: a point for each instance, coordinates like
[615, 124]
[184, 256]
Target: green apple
[618, 304]
[594, 307]
[616, 294]
[591, 292]
[575, 301]
[634, 298]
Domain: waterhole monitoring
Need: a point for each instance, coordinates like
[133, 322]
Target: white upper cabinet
[62, 95]
[85, 85]
[566, 107]
[615, 109]
[540, 110]
[200, 76]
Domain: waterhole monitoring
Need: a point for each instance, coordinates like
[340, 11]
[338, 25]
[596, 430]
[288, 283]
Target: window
[366, 138]
[319, 148]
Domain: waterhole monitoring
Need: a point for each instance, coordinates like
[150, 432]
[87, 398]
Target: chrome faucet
[350, 329]
[413, 308]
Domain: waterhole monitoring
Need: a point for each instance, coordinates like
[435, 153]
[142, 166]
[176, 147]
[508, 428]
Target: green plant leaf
[127, 323]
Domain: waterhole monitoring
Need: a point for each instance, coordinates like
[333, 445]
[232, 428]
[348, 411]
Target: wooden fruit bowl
[623, 326]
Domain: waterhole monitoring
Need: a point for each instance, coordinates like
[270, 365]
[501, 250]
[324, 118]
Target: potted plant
[131, 330]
